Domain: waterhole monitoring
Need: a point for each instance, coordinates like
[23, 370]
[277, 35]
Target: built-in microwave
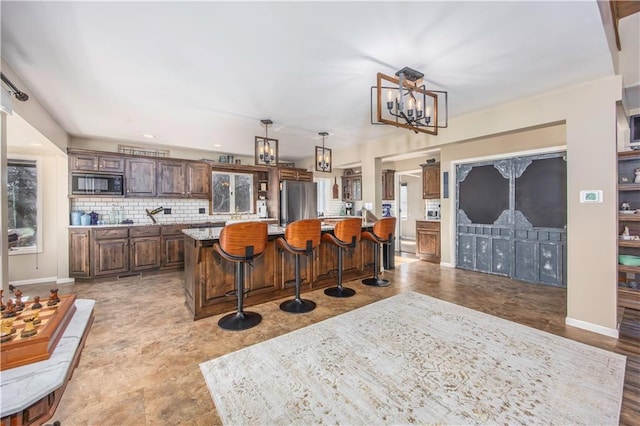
[95, 184]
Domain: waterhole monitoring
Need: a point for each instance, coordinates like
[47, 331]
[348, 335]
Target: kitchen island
[209, 278]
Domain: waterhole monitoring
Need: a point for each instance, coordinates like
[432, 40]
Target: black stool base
[298, 306]
[376, 282]
[339, 292]
[239, 321]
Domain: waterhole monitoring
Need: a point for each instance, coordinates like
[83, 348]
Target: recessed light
[148, 136]
[217, 145]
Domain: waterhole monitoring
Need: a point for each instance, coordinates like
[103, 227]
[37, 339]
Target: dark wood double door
[512, 216]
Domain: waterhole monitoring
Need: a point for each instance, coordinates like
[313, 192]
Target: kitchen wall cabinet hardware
[388, 191]
[430, 180]
[629, 218]
[428, 240]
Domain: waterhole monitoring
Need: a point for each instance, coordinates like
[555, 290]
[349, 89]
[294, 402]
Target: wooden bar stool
[300, 238]
[241, 243]
[345, 235]
[382, 233]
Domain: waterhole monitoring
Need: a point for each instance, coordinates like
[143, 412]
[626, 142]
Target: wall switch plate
[591, 196]
[167, 211]
[201, 210]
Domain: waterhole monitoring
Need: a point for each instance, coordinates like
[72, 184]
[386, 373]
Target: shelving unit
[629, 192]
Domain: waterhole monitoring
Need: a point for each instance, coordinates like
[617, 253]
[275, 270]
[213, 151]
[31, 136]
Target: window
[24, 204]
[232, 193]
[324, 188]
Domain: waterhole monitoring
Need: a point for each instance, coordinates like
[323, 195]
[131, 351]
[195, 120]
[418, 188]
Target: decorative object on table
[10, 310]
[19, 303]
[266, 149]
[384, 375]
[36, 303]
[323, 156]
[53, 297]
[408, 103]
[7, 329]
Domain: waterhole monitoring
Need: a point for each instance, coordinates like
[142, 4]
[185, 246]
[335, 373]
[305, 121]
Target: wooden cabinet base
[208, 279]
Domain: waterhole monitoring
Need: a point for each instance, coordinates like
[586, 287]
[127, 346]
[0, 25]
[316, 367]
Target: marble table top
[22, 386]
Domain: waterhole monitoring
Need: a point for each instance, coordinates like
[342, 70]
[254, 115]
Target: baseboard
[611, 332]
[447, 264]
[65, 280]
[34, 281]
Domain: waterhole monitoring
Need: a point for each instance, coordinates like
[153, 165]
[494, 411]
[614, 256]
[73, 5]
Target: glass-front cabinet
[232, 193]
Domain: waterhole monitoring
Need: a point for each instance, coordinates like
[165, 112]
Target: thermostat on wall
[591, 196]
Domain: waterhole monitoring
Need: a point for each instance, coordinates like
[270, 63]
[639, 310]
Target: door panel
[511, 217]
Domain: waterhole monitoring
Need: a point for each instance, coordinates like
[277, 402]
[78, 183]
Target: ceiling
[197, 74]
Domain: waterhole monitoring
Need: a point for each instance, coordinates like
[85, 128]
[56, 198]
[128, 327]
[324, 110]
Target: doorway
[410, 208]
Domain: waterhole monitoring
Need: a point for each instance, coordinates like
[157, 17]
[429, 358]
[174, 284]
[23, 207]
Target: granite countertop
[206, 234]
[213, 222]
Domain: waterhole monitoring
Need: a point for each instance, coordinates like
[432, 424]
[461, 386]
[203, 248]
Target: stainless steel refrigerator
[298, 200]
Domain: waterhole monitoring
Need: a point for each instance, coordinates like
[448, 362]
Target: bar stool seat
[382, 233]
[241, 243]
[345, 235]
[300, 239]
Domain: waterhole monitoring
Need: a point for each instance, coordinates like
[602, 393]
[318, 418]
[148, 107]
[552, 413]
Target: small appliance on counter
[261, 207]
[348, 208]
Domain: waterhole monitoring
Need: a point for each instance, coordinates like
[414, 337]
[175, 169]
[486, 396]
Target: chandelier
[408, 104]
[323, 156]
[266, 149]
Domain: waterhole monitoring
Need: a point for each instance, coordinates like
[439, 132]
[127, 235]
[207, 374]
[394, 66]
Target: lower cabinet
[172, 247]
[95, 253]
[428, 240]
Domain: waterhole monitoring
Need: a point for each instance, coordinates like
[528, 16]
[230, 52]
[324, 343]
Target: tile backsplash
[182, 210]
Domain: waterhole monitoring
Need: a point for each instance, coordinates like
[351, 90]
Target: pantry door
[511, 217]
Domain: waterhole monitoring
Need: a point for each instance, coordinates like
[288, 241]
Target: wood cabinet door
[388, 192]
[84, 162]
[356, 184]
[110, 256]
[145, 253]
[172, 248]
[428, 245]
[171, 179]
[113, 164]
[198, 180]
[140, 177]
[431, 181]
[346, 189]
[79, 253]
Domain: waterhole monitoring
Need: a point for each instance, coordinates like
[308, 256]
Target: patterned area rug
[415, 359]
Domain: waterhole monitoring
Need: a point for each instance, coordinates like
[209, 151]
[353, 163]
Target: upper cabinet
[388, 192]
[351, 188]
[430, 180]
[198, 180]
[286, 173]
[92, 162]
[140, 177]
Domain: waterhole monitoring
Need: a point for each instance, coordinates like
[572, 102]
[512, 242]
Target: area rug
[413, 359]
